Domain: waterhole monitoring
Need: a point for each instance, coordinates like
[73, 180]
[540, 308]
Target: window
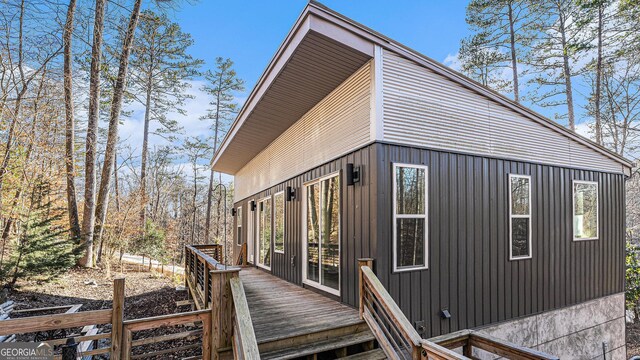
[409, 217]
[278, 207]
[264, 233]
[239, 226]
[520, 213]
[585, 210]
[322, 231]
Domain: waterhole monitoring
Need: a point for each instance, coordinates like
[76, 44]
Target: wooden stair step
[375, 354]
[319, 347]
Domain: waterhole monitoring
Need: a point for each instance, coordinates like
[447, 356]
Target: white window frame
[424, 216]
[238, 224]
[284, 221]
[573, 214]
[512, 216]
[252, 224]
[257, 257]
[318, 285]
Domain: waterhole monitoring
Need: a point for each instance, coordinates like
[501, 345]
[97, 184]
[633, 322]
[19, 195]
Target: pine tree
[160, 68]
[42, 247]
[482, 64]
[500, 29]
[553, 55]
[222, 86]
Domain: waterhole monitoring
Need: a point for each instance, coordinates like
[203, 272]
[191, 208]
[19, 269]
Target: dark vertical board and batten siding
[357, 233]
[469, 269]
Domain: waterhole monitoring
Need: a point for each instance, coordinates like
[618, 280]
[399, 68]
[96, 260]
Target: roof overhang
[321, 51]
[316, 57]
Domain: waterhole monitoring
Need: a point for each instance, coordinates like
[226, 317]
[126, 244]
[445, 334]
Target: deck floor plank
[280, 309]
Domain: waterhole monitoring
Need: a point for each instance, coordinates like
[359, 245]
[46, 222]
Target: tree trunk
[597, 96]
[207, 229]
[567, 73]
[16, 112]
[114, 117]
[145, 140]
[72, 203]
[207, 221]
[195, 196]
[88, 217]
[514, 59]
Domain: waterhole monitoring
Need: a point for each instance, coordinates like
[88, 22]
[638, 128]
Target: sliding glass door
[322, 245]
[264, 233]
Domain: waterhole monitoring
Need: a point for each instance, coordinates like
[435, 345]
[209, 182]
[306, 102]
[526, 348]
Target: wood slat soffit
[316, 57]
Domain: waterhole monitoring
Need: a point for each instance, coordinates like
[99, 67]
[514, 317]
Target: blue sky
[249, 32]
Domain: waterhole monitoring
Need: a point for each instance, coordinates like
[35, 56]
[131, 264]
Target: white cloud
[453, 61]
[583, 129]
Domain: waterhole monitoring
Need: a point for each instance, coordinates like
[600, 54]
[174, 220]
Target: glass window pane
[267, 233]
[410, 190]
[313, 231]
[330, 223]
[585, 217]
[520, 237]
[410, 242]
[264, 246]
[239, 225]
[279, 222]
[520, 196]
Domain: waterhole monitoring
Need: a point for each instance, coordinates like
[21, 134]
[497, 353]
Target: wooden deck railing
[242, 256]
[392, 329]
[199, 262]
[400, 340]
[171, 320]
[469, 340]
[64, 324]
[245, 345]
[218, 287]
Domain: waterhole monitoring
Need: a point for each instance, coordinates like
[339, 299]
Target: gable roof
[322, 49]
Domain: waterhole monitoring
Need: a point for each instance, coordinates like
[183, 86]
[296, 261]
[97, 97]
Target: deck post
[363, 262]
[117, 318]
[221, 310]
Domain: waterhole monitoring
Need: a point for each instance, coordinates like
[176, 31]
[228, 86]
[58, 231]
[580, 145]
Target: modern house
[476, 211]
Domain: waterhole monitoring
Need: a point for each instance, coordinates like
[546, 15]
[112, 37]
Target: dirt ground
[146, 294]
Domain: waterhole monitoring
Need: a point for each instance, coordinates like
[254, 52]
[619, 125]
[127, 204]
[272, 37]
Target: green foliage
[151, 243]
[42, 247]
[632, 291]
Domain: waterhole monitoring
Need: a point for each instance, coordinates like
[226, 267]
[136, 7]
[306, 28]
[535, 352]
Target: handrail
[245, 345]
[242, 255]
[469, 339]
[198, 265]
[134, 325]
[397, 338]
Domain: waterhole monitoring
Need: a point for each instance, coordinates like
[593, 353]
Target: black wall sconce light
[233, 212]
[253, 205]
[445, 314]
[291, 193]
[353, 174]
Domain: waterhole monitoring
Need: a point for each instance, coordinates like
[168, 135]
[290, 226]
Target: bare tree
[114, 118]
[72, 204]
[88, 217]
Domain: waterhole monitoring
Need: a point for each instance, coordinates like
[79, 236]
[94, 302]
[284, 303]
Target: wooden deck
[282, 310]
